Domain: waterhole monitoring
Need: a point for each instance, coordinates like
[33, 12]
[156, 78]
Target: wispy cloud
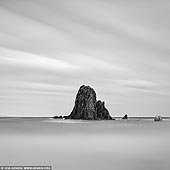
[24, 59]
[90, 62]
[141, 84]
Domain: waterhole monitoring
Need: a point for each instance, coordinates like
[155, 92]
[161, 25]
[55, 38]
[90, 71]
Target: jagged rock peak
[125, 116]
[102, 112]
[87, 107]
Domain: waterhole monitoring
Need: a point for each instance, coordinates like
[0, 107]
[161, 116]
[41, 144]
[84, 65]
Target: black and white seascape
[84, 85]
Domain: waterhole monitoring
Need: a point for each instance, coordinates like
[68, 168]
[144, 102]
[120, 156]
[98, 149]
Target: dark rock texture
[102, 112]
[58, 117]
[125, 116]
[158, 119]
[85, 104]
[87, 107]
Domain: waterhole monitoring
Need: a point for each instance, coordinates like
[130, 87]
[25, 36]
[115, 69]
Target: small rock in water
[58, 117]
[158, 118]
[125, 116]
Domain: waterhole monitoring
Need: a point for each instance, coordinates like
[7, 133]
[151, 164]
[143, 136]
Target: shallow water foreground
[85, 145]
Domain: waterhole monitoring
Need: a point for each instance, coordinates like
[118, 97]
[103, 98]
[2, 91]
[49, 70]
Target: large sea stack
[87, 107]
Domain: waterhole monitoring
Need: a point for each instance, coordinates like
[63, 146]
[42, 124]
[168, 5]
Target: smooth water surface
[85, 145]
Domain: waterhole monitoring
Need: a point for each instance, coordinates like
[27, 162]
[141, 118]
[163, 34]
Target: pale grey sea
[85, 145]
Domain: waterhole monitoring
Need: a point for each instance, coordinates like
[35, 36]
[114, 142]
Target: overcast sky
[49, 48]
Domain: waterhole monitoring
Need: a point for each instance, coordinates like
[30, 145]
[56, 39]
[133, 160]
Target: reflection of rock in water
[158, 118]
[125, 116]
[87, 107]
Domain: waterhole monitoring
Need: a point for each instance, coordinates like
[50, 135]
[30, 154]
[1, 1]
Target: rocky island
[87, 107]
[125, 117]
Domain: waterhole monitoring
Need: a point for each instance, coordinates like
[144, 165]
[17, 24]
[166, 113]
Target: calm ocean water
[85, 145]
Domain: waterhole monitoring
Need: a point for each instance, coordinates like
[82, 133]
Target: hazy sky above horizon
[49, 48]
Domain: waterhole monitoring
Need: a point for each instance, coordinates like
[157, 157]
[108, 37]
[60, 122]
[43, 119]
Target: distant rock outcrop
[125, 116]
[58, 117]
[158, 119]
[87, 107]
